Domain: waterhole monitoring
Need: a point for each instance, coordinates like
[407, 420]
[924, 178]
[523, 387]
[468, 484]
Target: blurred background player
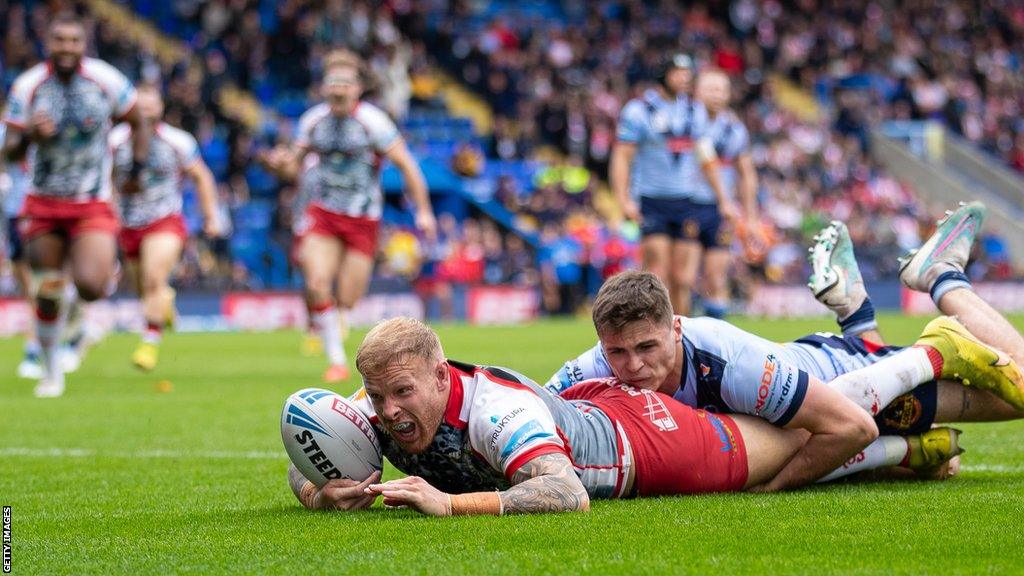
[659, 156]
[738, 177]
[153, 231]
[349, 139]
[63, 110]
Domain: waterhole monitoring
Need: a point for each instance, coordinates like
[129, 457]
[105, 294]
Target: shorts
[682, 219]
[130, 239]
[356, 232]
[676, 449]
[15, 247]
[40, 216]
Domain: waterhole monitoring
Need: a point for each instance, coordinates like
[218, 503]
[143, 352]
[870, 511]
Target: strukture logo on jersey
[502, 423]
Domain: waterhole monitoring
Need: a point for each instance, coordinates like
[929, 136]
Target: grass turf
[119, 477]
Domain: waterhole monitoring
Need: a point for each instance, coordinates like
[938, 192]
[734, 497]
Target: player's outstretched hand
[344, 495]
[41, 126]
[414, 492]
[427, 224]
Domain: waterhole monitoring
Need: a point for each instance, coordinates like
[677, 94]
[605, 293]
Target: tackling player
[349, 139]
[731, 143]
[62, 109]
[481, 440]
[659, 156]
[154, 230]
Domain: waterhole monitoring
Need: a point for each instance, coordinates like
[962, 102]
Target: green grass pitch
[118, 477]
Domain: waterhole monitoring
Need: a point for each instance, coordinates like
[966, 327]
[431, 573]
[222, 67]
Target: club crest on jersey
[705, 370]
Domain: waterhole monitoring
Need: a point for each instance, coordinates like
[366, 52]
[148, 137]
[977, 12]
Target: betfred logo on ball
[328, 438]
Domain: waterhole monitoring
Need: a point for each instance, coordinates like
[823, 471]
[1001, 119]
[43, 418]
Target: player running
[481, 440]
[154, 230]
[659, 156]
[349, 139]
[62, 110]
[731, 144]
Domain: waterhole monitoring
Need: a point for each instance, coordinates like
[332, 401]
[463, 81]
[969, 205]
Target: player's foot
[930, 452]
[50, 387]
[145, 356]
[70, 360]
[311, 345]
[947, 250]
[835, 277]
[336, 373]
[973, 362]
[31, 366]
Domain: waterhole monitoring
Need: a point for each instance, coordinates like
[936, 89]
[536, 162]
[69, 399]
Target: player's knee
[862, 428]
[153, 284]
[91, 289]
[684, 278]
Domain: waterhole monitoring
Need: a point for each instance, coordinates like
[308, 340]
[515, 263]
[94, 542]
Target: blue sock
[715, 310]
[949, 281]
[860, 321]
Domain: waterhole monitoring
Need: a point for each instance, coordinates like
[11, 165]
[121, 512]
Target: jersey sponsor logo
[724, 433]
[573, 371]
[355, 417]
[526, 433]
[765, 386]
[501, 423]
[903, 412]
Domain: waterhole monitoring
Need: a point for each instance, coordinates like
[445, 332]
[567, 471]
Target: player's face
[150, 104]
[409, 399]
[713, 91]
[643, 354]
[341, 90]
[66, 45]
[678, 80]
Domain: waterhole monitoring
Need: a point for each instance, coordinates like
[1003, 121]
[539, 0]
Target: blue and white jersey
[726, 369]
[667, 134]
[498, 420]
[730, 139]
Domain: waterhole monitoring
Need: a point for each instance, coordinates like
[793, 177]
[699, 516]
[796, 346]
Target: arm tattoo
[545, 484]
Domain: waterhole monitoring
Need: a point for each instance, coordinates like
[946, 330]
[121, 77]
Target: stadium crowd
[552, 84]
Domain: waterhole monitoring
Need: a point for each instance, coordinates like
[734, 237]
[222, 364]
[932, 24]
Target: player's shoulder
[101, 71]
[315, 114]
[176, 137]
[370, 115]
[31, 79]
[713, 334]
[119, 134]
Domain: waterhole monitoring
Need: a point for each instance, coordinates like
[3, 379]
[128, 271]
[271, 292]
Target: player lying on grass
[479, 440]
[711, 364]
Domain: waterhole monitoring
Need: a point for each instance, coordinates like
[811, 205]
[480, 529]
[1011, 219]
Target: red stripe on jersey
[536, 451]
[455, 398]
[871, 347]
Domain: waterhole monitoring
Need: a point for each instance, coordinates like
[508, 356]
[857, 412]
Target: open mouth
[403, 431]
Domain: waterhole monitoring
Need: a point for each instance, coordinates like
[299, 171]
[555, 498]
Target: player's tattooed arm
[547, 483]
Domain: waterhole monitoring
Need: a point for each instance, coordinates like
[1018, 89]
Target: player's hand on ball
[414, 492]
[343, 495]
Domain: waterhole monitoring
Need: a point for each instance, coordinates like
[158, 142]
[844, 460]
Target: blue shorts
[15, 247]
[682, 219]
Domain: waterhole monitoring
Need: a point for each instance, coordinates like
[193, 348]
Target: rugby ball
[327, 437]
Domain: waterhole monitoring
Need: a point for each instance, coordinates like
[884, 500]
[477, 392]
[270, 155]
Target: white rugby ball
[328, 438]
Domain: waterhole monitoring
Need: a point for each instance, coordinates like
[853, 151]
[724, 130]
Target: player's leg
[716, 281]
[321, 259]
[353, 280]
[159, 252]
[46, 253]
[93, 258]
[30, 366]
[685, 264]
[655, 251]
[837, 283]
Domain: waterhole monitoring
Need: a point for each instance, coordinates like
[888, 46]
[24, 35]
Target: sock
[884, 451]
[860, 321]
[328, 324]
[32, 346]
[50, 316]
[948, 281]
[715, 309]
[873, 387]
[153, 333]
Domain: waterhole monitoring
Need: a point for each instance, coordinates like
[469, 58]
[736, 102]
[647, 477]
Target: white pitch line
[994, 468]
[88, 453]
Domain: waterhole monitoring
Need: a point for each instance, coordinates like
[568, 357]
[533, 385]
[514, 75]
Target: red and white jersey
[498, 420]
[349, 151]
[171, 152]
[75, 164]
